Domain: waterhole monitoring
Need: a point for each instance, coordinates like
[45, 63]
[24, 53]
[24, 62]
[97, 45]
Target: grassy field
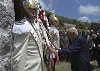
[65, 66]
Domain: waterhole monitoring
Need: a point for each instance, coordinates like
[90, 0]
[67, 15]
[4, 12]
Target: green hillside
[79, 24]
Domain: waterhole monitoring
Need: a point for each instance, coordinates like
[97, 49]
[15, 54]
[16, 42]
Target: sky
[83, 10]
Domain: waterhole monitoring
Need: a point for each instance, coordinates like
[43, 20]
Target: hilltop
[78, 24]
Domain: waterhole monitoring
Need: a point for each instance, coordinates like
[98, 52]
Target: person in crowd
[98, 47]
[61, 44]
[79, 32]
[66, 37]
[66, 42]
[89, 39]
[83, 33]
[66, 30]
[79, 50]
[94, 47]
[87, 35]
[91, 32]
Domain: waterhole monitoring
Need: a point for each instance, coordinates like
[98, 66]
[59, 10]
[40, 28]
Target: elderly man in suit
[80, 60]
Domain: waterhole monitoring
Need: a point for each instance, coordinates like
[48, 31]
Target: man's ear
[74, 34]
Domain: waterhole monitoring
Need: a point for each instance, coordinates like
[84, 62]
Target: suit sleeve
[76, 46]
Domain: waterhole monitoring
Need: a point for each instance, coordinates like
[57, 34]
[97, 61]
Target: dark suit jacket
[98, 48]
[80, 58]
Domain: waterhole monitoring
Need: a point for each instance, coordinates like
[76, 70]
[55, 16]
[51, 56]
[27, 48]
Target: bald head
[72, 33]
[91, 31]
[73, 30]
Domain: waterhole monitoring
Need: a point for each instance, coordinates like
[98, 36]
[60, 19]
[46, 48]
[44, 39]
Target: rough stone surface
[6, 20]
[6, 12]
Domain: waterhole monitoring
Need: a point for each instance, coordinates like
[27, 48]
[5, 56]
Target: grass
[63, 66]
[66, 66]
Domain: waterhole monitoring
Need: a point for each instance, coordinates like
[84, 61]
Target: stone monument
[6, 22]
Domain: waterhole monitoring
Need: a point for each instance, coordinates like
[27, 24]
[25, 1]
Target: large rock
[6, 12]
[6, 20]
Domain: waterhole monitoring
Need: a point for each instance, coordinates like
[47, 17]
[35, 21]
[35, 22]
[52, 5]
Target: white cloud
[45, 6]
[50, 4]
[84, 19]
[89, 10]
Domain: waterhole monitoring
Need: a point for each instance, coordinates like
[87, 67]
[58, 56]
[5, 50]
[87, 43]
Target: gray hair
[73, 29]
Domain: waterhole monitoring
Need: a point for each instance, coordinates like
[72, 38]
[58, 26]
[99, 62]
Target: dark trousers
[98, 56]
[98, 63]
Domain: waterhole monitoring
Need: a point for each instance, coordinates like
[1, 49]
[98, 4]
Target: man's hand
[99, 46]
[52, 50]
[57, 48]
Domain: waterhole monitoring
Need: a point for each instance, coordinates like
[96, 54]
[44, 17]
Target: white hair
[73, 29]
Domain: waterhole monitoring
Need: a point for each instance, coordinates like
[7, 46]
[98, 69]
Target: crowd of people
[37, 42]
[93, 43]
[93, 39]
